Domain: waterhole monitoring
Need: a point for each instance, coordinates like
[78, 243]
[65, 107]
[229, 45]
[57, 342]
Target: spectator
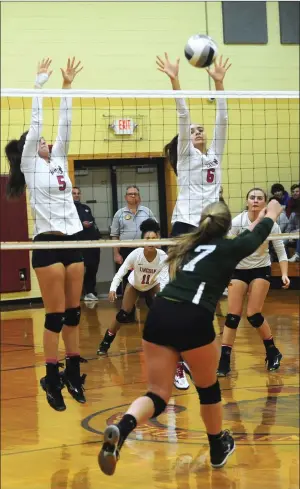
[293, 200]
[91, 255]
[278, 190]
[127, 220]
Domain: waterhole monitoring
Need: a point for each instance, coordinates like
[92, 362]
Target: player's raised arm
[34, 135]
[218, 74]
[61, 145]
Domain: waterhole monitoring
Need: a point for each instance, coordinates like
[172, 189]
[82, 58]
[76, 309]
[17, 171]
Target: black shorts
[179, 325]
[250, 274]
[44, 258]
[179, 228]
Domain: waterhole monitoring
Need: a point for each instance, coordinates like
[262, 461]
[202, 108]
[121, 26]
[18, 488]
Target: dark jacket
[85, 214]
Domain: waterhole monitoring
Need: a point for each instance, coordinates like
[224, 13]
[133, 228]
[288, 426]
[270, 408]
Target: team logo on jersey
[58, 169]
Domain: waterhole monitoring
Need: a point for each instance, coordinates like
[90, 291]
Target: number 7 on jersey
[203, 251]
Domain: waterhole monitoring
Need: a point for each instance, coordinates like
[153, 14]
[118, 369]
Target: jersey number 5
[203, 251]
[61, 183]
[210, 175]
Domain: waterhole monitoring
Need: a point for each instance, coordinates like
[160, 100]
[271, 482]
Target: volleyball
[200, 50]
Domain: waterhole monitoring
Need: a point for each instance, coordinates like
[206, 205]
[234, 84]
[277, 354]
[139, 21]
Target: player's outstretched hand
[165, 66]
[71, 71]
[43, 67]
[220, 69]
[274, 209]
[43, 72]
[262, 214]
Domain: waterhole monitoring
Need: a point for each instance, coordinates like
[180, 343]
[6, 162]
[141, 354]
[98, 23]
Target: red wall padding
[13, 227]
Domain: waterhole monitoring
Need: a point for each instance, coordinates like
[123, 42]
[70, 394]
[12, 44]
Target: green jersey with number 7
[207, 269]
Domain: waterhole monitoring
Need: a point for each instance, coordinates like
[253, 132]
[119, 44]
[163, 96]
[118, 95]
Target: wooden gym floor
[43, 449]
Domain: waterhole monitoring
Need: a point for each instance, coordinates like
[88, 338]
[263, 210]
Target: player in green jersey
[181, 323]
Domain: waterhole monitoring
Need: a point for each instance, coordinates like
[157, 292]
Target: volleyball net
[118, 140]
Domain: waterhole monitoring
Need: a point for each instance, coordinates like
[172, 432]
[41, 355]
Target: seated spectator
[277, 190]
[293, 200]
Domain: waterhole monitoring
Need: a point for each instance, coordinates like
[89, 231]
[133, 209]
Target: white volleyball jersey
[198, 175]
[48, 183]
[145, 275]
[261, 257]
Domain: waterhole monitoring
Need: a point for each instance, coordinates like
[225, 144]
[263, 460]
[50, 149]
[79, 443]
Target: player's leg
[180, 379]
[51, 280]
[70, 333]
[124, 252]
[122, 317]
[257, 294]
[236, 296]
[203, 362]
[158, 359]
[91, 262]
[150, 295]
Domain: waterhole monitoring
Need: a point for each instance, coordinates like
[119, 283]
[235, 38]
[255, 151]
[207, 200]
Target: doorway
[103, 185]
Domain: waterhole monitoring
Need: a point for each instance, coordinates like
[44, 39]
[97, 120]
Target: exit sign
[124, 126]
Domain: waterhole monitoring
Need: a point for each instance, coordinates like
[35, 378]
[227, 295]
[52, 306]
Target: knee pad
[232, 321]
[54, 321]
[159, 404]
[256, 320]
[72, 316]
[123, 316]
[209, 395]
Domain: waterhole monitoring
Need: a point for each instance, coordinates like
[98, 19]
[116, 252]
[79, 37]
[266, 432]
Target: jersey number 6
[210, 175]
[61, 183]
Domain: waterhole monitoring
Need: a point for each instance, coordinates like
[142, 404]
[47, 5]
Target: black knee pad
[209, 395]
[123, 316]
[54, 321]
[256, 320]
[159, 404]
[232, 321]
[72, 316]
